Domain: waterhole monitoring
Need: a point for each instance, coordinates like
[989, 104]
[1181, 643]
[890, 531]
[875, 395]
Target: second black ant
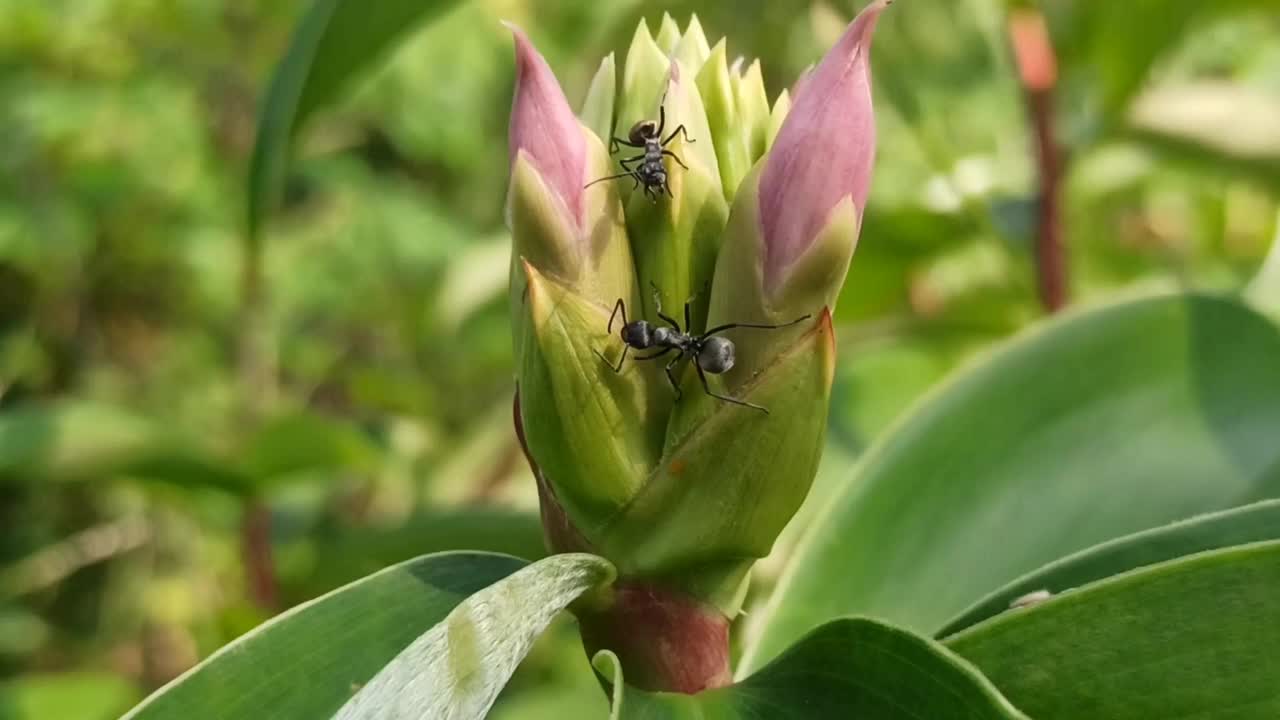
[651, 173]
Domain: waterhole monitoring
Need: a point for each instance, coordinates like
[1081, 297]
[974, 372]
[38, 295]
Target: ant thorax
[666, 337]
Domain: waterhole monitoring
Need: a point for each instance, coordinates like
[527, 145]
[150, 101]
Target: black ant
[710, 354]
[651, 173]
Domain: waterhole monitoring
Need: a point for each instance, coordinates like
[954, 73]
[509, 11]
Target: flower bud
[558, 226]
[795, 219]
[823, 154]
[681, 474]
[544, 130]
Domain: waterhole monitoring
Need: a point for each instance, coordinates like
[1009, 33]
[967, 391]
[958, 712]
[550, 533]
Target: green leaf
[1094, 426]
[1252, 523]
[66, 696]
[848, 668]
[309, 661]
[457, 668]
[335, 40]
[74, 440]
[1193, 638]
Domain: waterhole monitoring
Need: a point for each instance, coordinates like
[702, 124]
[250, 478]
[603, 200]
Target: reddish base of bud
[666, 641]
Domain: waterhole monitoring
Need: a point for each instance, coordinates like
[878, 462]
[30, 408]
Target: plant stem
[255, 546]
[1038, 71]
[256, 377]
[665, 641]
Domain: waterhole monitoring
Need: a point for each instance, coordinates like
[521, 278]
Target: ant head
[642, 131]
[716, 355]
[638, 334]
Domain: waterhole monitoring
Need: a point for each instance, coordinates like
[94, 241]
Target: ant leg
[675, 157]
[656, 355]
[707, 387]
[678, 131]
[667, 186]
[617, 369]
[657, 306]
[672, 378]
[626, 166]
[688, 319]
[610, 177]
[615, 141]
[618, 306]
[731, 326]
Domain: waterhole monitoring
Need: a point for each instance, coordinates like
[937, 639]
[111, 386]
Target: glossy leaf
[849, 668]
[1252, 523]
[1192, 638]
[458, 667]
[1095, 426]
[335, 40]
[309, 661]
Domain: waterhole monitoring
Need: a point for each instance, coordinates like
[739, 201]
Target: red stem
[665, 641]
[1038, 71]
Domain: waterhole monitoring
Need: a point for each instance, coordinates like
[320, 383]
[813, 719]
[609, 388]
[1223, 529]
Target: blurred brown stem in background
[256, 377]
[1038, 70]
[255, 546]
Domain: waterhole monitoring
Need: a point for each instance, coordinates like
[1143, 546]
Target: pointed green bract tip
[693, 50]
[753, 106]
[668, 34]
[598, 108]
[729, 130]
[781, 107]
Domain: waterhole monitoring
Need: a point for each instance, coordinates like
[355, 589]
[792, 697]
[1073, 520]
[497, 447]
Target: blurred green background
[195, 436]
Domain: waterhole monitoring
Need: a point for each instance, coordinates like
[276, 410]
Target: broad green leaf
[1192, 638]
[458, 667]
[66, 696]
[1252, 523]
[335, 40]
[1096, 425]
[848, 668]
[309, 661]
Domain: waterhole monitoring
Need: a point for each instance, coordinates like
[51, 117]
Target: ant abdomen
[716, 355]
